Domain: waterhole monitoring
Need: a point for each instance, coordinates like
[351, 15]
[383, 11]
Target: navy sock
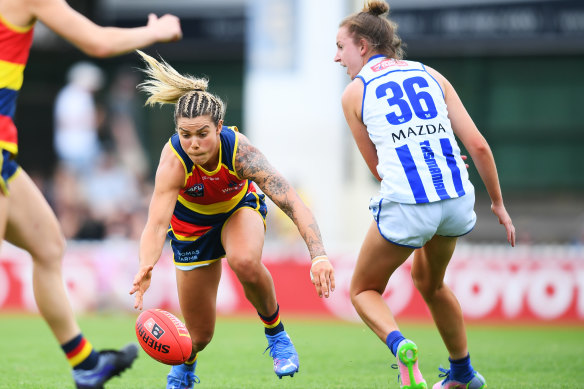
[461, 370]
[80, 353]
[272, 324]
[393, 340]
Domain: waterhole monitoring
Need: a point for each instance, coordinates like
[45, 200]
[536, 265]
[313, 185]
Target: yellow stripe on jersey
[16, 28]
[11, 75]
[215, 208]
[12, 148]
[187, 173]
[235, 145]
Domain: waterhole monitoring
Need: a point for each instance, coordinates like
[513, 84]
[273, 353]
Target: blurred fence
[539, 284]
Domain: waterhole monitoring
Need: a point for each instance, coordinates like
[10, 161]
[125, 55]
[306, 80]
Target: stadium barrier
[534, 283]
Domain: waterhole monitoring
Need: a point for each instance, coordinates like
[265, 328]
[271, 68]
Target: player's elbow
[479, 148]
[99, 50]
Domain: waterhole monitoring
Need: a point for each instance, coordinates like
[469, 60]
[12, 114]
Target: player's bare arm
[96, 40]
[465, 129]
[250, 163]
[351, 100]
[169, 179]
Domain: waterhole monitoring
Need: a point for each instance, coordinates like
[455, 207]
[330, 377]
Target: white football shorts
[412, 225]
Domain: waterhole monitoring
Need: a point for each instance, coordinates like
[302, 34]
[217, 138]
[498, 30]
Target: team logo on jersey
[197, 190]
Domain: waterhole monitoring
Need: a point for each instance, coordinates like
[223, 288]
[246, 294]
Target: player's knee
[201, 340]
[50, 252]
[355, 293]
[246, 267]
[427, 287]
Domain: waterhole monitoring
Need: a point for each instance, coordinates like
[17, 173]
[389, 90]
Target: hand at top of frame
[167, 27]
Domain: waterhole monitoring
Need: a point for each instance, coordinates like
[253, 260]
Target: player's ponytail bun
[376, 7]
[373, 25]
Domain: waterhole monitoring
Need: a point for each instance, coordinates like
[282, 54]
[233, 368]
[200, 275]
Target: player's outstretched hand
[141, 284]
[322, 276]
[504, 219]
[166, 28]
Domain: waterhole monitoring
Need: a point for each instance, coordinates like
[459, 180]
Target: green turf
[332, 355]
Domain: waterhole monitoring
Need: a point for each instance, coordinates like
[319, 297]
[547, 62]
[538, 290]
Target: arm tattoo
[251, 164]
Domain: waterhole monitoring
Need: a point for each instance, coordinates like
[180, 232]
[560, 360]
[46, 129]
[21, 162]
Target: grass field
[332, 355]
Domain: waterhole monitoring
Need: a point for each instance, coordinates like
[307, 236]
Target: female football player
[404, 117]
[205, 190]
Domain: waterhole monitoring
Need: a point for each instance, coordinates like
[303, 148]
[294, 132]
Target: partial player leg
[428, 271]
[243, 240]
[377, 261]
[33, 226]
[197, 293]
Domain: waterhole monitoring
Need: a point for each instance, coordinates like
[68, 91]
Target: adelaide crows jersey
[407, 119]
[207, 195]
[15, 43]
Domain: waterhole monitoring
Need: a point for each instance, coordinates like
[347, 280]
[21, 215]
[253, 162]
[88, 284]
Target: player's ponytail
[165, 85]
[373, 25]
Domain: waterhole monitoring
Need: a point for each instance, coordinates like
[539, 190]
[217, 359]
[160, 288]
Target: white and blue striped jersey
[407, 119]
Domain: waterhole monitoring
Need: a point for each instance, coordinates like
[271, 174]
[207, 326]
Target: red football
[163, 336]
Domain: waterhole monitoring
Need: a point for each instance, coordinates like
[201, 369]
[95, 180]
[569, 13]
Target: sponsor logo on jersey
[426, 129]
[388, 63]
[232, 186]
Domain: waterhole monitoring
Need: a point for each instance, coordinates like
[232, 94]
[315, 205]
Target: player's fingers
[317, 285]
[332, 278]
[326, 284]
[138, 301]
[152, 18]
[511, 235]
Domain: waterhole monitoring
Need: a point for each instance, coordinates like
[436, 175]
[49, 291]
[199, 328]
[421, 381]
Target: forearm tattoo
[251, 164]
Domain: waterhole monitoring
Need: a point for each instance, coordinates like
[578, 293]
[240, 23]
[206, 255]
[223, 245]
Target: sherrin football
[163, 336]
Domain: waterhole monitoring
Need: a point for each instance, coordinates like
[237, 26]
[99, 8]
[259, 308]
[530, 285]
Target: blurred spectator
[76, 138]
[113, 192]
[71, 207]
[101, 187]
[123, 118]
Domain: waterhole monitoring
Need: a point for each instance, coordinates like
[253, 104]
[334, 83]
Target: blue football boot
[182, 377]
[111, 363]
[284, 354]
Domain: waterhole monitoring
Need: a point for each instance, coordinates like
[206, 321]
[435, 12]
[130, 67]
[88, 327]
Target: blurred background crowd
[92, 147]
